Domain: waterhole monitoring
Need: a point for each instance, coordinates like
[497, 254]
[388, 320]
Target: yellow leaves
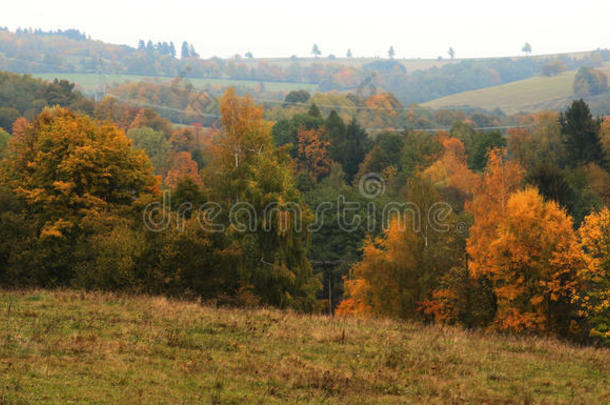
[64, 187]
[56, 229]
[533, 256]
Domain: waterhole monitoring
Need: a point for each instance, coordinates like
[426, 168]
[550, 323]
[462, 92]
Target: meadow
[91, 82]
[523, 95]
[62, 346]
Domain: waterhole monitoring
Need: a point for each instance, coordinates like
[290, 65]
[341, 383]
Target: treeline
[24, 96]
[68, 51]
[520, 242]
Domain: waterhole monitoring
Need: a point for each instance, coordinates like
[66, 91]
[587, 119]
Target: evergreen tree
[185, 50]
[580, 132]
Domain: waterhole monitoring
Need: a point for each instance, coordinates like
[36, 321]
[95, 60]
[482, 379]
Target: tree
[314, 111]
[316, 51]
[181, 167]
[349, 53]
[552, 184]
[590, 82]
[488, 206]
[527, 48]
[155, 144]
[483, 143]
[297, 97]
[391, 52]
[312, 153]
[580, 133]
[172, 49]
[4, 139]
[553, 68]
[249, 55]
[141, 45]
[75, 175]
[534, 264]
[595, 297]
[400, 269]
[451, 53]
[357, 145]
[247, 168]
[185, 50]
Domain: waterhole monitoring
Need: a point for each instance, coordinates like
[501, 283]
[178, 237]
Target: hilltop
[72, 346]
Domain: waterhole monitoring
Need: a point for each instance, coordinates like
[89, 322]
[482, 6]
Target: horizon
[255, 27]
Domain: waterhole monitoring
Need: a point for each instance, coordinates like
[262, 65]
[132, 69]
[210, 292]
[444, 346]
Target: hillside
[70, 346]
[529, 94]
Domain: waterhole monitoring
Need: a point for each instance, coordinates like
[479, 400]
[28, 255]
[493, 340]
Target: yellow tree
[534, 261]
[385, 281]
[488, 206]
[595, 300]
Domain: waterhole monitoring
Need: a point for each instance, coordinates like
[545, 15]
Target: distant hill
[535, 93]
[58, 53]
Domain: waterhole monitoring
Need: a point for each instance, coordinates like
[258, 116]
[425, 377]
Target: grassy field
[90, 82]
[69, 346]
[523, 95]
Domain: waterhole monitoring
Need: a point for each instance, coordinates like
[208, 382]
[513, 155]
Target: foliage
[595, 297]
[590, 82]
[581, 135]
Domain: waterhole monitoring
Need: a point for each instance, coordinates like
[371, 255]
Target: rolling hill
[524, 95]
[71, 346]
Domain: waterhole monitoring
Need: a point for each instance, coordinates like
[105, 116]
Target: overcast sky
[474, 28]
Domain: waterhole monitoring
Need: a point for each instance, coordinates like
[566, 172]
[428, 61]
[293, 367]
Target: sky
[416, 29]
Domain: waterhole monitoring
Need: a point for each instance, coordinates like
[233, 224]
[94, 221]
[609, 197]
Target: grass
[71, 346]
[90, 82]
[522, 95]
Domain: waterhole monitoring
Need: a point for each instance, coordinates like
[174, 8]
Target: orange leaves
[312, 152]
[491, 193]
[182, 166]
[385, 281]
[533, 262]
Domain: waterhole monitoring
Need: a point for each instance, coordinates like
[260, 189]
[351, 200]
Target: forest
[495, 223]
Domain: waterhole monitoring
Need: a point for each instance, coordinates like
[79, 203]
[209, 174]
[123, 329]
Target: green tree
[316, 50]
[4, 138]
[247, 167]
[580, 133]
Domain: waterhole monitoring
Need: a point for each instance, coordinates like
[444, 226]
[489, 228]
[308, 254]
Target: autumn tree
[490, 197]
[595, 296]
[312, 154]
[77, 177]
[248, 168]
[400, 269]
[181, 166]
[534, 261]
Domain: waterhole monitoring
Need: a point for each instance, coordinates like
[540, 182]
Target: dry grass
[69, 346]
